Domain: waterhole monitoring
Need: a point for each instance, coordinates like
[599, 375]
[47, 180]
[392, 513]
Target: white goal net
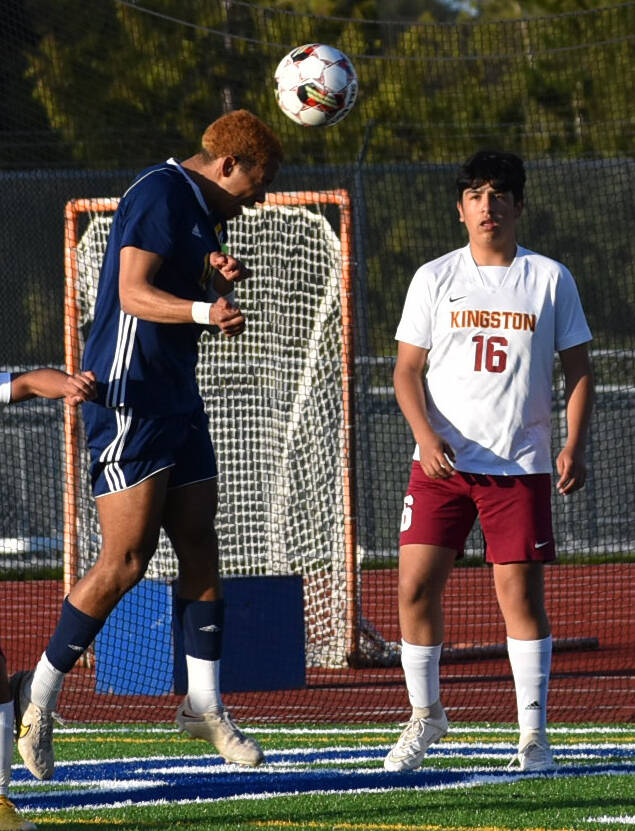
[277, 402]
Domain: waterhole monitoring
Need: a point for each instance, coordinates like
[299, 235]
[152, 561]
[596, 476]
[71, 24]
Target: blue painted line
[179, 785]
[121, 769]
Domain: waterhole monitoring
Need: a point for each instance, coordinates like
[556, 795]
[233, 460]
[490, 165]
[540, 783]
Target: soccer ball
[316, 85]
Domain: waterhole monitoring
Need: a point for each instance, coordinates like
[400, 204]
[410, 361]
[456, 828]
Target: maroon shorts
[514, 511]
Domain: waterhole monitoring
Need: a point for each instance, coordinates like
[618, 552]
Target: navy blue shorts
[126, 449]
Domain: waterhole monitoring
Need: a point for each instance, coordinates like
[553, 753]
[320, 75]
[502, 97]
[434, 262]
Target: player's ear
[228, 165]
[518, 208]
[459, 208]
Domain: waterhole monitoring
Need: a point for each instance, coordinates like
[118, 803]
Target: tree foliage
[113, 86]
[122, 84]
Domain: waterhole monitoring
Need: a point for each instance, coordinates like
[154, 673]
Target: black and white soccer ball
[316, 85]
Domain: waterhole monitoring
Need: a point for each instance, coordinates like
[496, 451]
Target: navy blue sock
[74, 633]
[202, 625]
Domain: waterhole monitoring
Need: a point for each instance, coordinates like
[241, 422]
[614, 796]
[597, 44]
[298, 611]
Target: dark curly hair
[504, 171]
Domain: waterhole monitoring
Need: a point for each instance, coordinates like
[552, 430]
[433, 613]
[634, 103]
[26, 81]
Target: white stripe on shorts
[114, 477]
[112, 453]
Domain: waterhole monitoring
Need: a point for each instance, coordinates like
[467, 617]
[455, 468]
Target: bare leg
[189, 522]
[520, 593]
[130, 523]
[423, 573]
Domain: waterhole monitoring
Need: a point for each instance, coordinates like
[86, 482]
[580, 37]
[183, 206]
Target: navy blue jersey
[148, 366]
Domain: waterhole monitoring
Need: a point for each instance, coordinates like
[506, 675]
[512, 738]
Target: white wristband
[200, 312]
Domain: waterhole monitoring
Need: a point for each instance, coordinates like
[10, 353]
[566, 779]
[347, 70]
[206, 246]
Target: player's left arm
[53, 383]
[578, 379]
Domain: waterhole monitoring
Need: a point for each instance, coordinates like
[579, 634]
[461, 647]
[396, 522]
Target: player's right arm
[139, 296]
[53, 383]
[410, 394]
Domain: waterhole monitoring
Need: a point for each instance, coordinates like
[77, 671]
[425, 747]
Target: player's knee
[421, 595]
[517, 593]
[530, 609]
[522, 607]
[118, 573]
[136, 564]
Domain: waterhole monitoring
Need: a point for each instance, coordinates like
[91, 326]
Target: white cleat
[10, 819]
[534, 754]
[426, 726]
[218, 728]
[34, 728]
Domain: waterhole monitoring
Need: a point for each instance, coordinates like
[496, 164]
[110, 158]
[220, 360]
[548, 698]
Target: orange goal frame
[340, 198]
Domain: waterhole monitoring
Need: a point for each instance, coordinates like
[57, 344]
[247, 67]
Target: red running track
[594, 601]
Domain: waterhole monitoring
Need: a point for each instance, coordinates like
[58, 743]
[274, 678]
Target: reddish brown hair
[242, 134]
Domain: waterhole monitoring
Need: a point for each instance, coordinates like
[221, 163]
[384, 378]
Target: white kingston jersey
[5, 388]
[491, 333]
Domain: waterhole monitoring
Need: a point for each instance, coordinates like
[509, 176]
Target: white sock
[46, 684]
[203, 684]
[6, 746]
[421, 668]
[531, 664]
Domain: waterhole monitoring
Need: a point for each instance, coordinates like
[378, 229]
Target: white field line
[87, 787]
[84, 785]
[352, 731]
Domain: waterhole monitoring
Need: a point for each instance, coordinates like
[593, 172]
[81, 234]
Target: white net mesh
[274, 396]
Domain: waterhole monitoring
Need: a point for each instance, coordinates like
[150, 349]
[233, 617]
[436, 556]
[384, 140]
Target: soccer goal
[280, 400]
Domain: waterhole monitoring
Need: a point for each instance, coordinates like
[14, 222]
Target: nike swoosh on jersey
[454, 299]
[541, 544]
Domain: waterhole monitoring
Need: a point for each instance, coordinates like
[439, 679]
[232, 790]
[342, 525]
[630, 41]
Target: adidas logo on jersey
[196, 231]
[533, 705]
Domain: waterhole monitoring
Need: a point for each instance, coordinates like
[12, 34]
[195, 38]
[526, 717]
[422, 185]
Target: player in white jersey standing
[484, 321]
[14, 387]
